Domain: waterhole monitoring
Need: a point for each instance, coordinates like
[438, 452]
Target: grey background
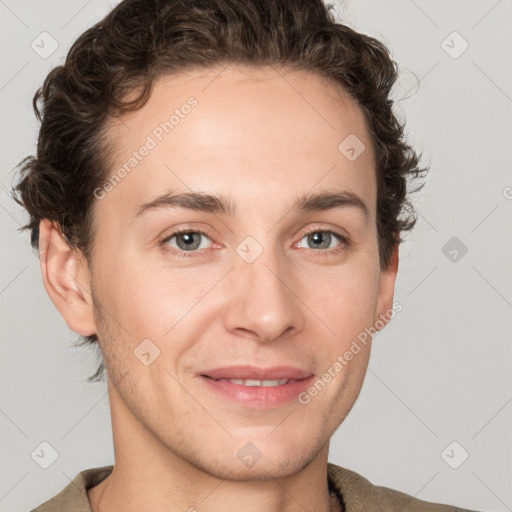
[439, 372]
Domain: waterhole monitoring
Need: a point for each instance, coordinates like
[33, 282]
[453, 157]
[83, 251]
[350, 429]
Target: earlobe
[384, 310]
[66, 278]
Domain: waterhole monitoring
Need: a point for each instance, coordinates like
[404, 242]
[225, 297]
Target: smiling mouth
[259, 393]
[269, 383]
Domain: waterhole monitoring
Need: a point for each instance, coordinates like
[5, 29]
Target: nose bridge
[262, 301]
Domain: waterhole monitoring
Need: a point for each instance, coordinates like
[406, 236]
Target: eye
[188, 241]
[323, 239]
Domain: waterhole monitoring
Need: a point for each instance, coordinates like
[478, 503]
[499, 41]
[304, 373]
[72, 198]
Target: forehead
[261, 130]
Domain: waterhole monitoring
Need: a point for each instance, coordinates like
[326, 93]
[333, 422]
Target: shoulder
[74, 495]
[360, 495]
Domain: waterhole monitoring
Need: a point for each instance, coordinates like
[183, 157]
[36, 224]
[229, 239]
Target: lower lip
[259, 396]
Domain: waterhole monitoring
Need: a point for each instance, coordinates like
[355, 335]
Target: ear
[66, 278]
[386, 291]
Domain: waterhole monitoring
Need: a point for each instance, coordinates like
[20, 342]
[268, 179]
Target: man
[218, 199]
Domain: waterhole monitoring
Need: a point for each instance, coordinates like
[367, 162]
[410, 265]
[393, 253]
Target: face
[242, 237]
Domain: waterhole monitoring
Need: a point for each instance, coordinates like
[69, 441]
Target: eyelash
[344, 243]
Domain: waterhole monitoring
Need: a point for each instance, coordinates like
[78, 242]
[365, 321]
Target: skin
[261, 138]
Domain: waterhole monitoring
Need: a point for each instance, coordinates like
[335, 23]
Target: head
[271, 125]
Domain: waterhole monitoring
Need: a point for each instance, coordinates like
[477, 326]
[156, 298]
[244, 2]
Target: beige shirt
[356, 494]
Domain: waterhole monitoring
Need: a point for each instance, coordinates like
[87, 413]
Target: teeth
[253, 382]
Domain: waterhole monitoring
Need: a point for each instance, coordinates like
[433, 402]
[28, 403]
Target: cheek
[345, 300]
[154, 302]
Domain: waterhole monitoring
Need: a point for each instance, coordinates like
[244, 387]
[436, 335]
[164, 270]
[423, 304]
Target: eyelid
[323, 229]
[185, 228]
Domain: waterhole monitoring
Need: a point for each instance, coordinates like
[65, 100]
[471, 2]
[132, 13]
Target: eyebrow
[209, 203]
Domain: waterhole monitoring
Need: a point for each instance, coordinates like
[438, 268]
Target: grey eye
[319, 240]
[187, 241]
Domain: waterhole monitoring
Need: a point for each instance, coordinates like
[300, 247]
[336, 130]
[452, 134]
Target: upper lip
[253, 372]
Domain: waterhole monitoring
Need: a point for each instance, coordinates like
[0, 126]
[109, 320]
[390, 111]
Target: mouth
[250, 386]
[254, 382]
[249, 372]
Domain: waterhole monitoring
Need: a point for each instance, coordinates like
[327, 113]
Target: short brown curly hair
[141, 40]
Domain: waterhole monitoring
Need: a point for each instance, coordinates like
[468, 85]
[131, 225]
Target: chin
[257, 458]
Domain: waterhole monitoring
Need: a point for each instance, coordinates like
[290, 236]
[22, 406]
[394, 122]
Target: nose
[263, 303]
